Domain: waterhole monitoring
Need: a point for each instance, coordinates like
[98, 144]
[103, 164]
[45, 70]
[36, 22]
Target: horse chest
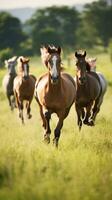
[83, 97]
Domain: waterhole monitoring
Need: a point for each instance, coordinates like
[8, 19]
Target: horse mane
[23, 59]
[46, 51]
[88, 67]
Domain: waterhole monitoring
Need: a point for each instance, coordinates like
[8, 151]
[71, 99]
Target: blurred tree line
[64, 26]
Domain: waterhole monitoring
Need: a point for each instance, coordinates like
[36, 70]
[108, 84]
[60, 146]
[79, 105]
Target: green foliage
[110, 49]
[11, 34]
[5, 54]
[97, 18]
[26, 48]
[54, 24]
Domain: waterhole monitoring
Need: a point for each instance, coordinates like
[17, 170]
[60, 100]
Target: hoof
[55, 142]
[29, 116]
[80, 125]
[91, 123]
[47, 139]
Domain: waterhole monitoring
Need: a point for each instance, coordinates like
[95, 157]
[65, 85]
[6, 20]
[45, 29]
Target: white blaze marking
[55, 73]
[25, 70]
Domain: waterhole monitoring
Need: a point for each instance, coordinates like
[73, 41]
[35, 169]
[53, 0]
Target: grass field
[81, 168]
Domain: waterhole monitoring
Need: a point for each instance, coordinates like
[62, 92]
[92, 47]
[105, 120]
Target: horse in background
[24, 85]
[89, 91]
[91, 65]
[9, 79]
[54, 92]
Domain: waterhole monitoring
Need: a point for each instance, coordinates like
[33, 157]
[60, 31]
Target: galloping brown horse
[88, 92]
[24, 85]
[54, 92]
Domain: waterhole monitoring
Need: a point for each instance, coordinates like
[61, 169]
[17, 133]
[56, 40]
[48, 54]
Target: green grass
[81, 169]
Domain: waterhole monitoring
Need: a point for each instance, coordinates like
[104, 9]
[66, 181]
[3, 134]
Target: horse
[54, 92]
[91, 65]
[9, 79]
[90, 90]
[24, 85]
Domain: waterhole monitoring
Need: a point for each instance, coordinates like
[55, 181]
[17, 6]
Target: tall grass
[81, 169]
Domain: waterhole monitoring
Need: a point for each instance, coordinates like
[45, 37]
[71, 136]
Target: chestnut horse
[24, 85]
[90, 89]
[9, 79]
[54, 92]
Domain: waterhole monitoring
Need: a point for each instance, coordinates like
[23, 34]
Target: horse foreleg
[47, 116]
[28, 109]
[9, 100]
[57, 131]
[88, 121]
[21, 112]
[79, 114]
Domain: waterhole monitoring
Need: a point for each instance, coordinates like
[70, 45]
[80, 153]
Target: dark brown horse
[24, 85]
[54, 92]
[88, 92]
[9, 79]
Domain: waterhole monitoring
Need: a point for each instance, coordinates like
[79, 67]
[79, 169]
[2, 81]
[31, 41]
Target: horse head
[23, 66]
[10, 65]
[52, 59]
[81, 66]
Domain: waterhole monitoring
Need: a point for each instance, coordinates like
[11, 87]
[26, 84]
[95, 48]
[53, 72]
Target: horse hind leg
[41, 114]
[79, 114]
[96, 108]
[13, 102]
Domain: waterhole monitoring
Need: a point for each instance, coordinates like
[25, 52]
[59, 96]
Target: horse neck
[12, 75]
[82, 90]
[79, 86]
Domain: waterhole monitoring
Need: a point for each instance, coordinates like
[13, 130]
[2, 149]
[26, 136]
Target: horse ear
[49, 49]
[15, 58]
[27, 59]
[21, 60]
[84, 53]
[59, 49]
[76, 55]
[6, 63]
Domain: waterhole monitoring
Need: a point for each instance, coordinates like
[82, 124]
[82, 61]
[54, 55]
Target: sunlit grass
[81, 169]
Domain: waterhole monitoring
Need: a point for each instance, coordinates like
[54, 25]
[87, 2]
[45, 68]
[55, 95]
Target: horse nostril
[54, 79]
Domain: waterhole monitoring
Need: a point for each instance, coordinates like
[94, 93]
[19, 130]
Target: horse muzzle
[82, 80]
[54, 80]
[25, 77]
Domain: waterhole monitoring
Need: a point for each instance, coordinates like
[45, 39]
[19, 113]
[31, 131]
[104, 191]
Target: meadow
[81, 168]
